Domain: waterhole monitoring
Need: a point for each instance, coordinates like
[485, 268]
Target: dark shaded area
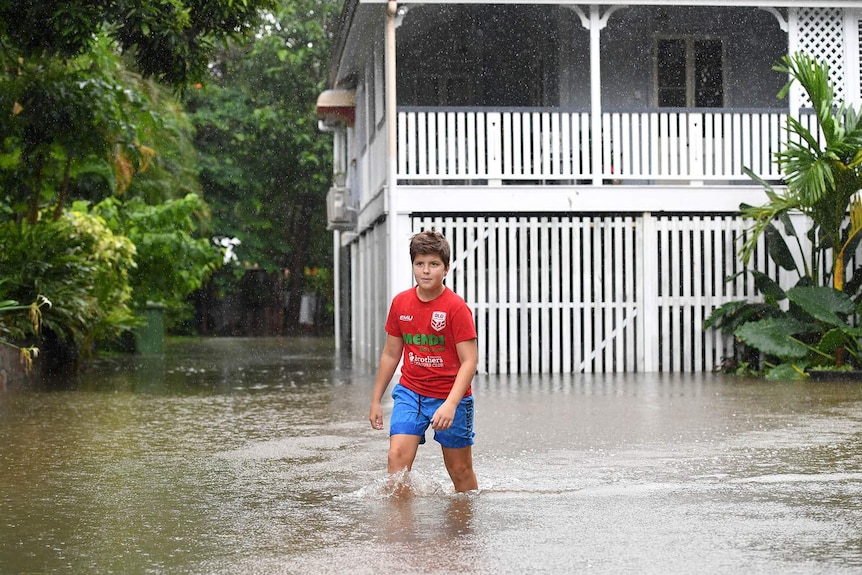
[260, 304]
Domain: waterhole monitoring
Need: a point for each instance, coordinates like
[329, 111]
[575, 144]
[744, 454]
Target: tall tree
[170, 40]
[68, 96]
[82, 110]
[265, 165]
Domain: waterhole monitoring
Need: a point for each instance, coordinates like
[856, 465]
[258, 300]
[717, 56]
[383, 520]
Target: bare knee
[459, 468]
[463, 478]
[459, 464]
[397, 460]
[402, 452]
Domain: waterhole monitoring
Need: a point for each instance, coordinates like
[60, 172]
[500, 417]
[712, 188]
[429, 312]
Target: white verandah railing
[553, 144]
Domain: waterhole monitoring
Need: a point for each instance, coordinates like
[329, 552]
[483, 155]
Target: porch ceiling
[350, 46]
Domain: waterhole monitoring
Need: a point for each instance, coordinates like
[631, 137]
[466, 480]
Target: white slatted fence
[563, 294]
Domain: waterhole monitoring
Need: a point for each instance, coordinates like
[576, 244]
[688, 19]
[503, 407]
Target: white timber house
[585, 160]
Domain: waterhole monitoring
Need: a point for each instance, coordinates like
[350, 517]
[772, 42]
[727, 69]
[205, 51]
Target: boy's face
[429, 272]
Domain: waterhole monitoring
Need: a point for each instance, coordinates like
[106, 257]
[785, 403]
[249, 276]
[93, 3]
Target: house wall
[477, 55]
[473, 55]
[753, 43]
[367, 154]
[369, 294]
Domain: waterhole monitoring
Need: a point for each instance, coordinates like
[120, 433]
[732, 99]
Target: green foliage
[171, 260]
[822, 177]
[824, 304]
[85, 124]
[786, 372]
[34, 313]
[816, 326]
[775, 336]
[76, 260]
[83, 118]
[100, 266]
[84, 128]
[265, 165]
[170, 40]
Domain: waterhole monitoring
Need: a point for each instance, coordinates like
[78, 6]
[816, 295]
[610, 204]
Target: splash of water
[403, 483]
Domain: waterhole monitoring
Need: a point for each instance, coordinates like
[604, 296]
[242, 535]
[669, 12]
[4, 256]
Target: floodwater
[228, 456]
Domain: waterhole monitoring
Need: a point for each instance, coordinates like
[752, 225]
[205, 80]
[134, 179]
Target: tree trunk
[64, 189]
[36, 192]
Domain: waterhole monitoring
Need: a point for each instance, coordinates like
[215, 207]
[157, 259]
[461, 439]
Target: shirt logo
[406, 318]
[438, 320]
[432, 361]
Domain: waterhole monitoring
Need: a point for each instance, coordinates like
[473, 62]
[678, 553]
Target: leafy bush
[34, 314]
[172, 260]
[100, 267]
[812, 325]
[78, 264]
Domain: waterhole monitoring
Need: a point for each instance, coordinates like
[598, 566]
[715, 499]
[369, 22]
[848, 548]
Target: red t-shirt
[430, 330]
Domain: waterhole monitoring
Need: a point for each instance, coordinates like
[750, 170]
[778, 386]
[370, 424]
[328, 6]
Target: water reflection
[255, 456]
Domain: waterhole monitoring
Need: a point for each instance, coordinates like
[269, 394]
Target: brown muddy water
[227, 456]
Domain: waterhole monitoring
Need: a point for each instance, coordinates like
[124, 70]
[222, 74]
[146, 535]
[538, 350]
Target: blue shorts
[411, 415]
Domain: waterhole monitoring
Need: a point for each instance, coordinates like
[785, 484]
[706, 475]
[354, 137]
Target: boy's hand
[375, 416]
[443, 417]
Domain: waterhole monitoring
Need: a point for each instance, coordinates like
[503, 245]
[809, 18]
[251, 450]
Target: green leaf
[786, 372]
[721, 316]
[767, 286]
[832, 340]
[778, 250]
[773, 336]
[787, 223]
[823, 303]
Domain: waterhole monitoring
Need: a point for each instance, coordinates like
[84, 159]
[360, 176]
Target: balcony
[483, 146]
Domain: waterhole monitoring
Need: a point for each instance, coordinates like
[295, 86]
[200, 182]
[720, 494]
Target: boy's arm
[468, 353]
[389, 359]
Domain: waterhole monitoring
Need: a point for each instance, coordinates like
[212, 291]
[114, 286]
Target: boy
[433, 328]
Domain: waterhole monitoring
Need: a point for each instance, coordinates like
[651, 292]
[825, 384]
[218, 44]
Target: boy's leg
[402, 451]
[459, 464]
[406, 428]
[457, 444]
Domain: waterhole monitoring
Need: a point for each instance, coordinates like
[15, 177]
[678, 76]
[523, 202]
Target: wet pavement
[255, 456]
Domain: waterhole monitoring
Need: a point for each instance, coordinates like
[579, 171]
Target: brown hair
[430, 242]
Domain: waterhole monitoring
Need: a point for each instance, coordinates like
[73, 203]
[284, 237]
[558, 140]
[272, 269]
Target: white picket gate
[628, 293]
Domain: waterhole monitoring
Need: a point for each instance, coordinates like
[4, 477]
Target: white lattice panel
[821, 34]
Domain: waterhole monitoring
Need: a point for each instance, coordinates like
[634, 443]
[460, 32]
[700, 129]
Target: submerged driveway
[255, 456]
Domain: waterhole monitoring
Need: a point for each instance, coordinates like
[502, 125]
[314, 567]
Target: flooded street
[233, 456]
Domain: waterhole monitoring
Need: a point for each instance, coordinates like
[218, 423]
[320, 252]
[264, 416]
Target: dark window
[672, 73]
[708, 74]
[689, 73]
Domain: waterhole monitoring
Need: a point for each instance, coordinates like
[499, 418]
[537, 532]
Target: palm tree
[823, 172]
[822, 167]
